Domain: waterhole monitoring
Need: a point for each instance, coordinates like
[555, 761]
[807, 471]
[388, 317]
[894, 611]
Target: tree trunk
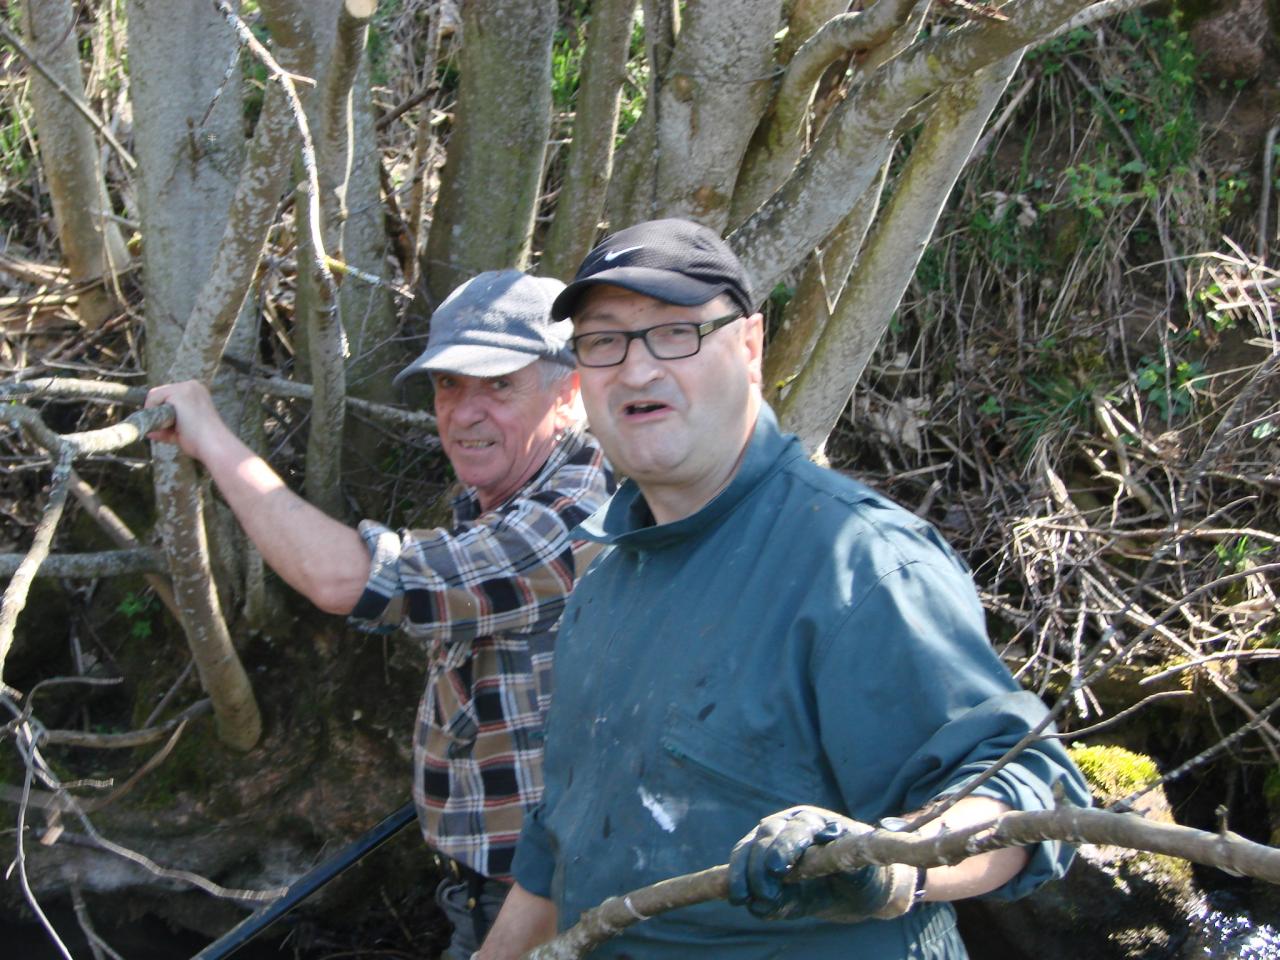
[707, 100]
[188, 150]
[822, 390]
[483, 216]
[91, 243]
[352, 344]
[817, 293]
[595, 122]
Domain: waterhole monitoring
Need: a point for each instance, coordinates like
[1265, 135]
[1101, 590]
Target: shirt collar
[625, 519]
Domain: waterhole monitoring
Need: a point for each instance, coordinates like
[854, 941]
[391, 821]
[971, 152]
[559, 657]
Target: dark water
[143, 939]
[1221, 930]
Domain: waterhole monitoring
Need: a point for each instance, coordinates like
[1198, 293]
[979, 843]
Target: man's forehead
[605, 302]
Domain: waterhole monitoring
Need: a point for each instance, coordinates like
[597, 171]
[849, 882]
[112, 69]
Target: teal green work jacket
[801, 639]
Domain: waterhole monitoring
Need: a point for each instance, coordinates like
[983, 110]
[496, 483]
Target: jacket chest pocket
[730, 764]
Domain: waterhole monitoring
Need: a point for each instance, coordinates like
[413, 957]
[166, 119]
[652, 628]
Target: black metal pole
[307, 884]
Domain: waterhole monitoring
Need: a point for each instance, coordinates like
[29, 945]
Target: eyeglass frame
[703, 329]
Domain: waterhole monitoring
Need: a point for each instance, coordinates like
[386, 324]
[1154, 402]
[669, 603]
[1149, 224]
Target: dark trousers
[471, 901]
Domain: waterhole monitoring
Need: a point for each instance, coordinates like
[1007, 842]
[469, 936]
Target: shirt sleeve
[510, 570]
[535, 863]
[914, 655]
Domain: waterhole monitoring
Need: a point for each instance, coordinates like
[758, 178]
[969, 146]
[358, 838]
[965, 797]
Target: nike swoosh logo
[615, 254]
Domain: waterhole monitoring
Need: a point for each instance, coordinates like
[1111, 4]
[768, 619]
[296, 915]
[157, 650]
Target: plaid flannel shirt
[485, 599]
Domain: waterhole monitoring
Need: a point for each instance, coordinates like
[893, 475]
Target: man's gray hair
[554, 376]
[551, 373]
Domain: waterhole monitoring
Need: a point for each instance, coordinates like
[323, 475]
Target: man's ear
[753, 345]
[569, 409]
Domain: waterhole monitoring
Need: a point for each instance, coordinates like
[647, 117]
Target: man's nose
[471, 408]
[640, 366]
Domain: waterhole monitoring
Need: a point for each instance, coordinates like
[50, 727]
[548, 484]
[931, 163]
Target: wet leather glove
[763, 857]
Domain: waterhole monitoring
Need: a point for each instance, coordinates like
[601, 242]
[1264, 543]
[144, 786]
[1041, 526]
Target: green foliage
[1097, 188]
[137, 609]
[1154, 97]
[1060, 403]
[780, 296]
[1240, 554]
[1114, 772]
[1146, 99]
[15, 153]
[566, 65]
[1168, 387]
[635, 88]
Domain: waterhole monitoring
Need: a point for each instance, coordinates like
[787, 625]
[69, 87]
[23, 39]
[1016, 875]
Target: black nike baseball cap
[675, 261]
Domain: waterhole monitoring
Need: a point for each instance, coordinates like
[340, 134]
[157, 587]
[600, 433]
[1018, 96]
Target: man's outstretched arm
[324, 560]
[525, 921]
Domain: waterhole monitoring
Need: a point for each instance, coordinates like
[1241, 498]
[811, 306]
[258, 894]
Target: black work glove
[768, 853]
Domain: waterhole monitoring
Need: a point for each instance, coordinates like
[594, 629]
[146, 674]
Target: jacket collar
[625, 519]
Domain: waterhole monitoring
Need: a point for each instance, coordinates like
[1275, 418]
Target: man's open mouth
[642, 406]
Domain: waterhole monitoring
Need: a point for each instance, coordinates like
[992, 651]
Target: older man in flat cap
[484, 596]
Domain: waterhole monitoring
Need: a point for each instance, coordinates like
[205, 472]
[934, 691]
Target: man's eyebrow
[596, 316]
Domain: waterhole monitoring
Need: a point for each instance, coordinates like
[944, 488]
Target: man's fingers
[739, 892]
[789, 846]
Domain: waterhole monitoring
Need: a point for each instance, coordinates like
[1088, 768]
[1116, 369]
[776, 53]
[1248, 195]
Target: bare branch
[100, 948]
[86, 566]
[75, 445]
[28, 736]
[71, 388]
[129, 740]
[1226, 851]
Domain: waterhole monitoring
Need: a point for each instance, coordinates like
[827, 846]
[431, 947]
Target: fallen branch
[27, 738]
[124, 538]
[1226, 851]
[72, 388]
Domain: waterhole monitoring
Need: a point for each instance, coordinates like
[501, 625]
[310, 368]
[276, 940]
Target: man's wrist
[901, 881]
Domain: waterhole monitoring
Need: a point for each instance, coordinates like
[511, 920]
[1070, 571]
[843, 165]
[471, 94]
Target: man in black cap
[763, 647]
[484, 596]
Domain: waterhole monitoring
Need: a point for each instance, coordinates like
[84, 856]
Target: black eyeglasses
[666, 341]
